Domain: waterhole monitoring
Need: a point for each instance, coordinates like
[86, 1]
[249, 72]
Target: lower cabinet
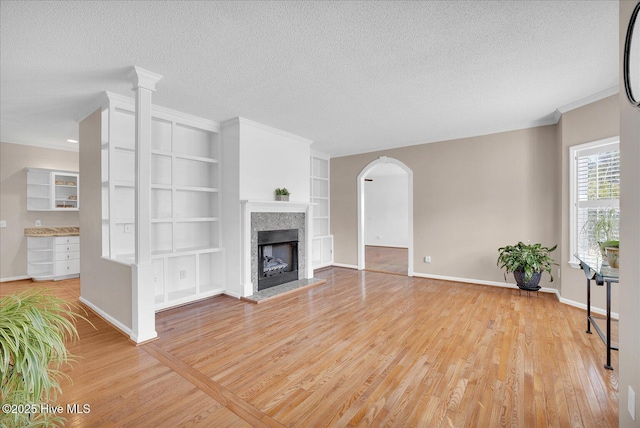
[322, 251]
[53, 257]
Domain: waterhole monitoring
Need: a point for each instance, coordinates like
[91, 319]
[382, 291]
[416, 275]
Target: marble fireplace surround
[274, 215]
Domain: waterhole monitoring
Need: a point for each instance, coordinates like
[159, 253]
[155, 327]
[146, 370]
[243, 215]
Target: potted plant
[526, 262]
[282, 194]
[33, 328]
[602, 230]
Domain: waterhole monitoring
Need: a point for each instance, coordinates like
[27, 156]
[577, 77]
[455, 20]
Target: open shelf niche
[186, 252]
[322, 243]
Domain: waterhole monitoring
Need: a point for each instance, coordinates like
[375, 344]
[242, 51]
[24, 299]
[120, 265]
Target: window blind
[597, 194]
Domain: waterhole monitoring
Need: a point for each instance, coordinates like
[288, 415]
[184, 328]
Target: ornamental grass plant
[34, 327]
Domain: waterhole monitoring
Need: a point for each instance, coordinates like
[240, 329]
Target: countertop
[52, 231]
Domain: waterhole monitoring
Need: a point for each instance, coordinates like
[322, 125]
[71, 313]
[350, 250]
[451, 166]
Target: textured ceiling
[351, 76]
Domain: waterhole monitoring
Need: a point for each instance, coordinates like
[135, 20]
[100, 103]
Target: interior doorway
[385, 217]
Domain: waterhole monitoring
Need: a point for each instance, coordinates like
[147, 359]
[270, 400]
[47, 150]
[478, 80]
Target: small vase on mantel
[282, 197]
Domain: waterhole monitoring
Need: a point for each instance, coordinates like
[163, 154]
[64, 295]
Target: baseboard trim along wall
[232, 294]
[342, 265]
[14, 278]
[561, 299]
[108, 318]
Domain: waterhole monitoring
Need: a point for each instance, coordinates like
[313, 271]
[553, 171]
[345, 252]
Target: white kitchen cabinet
[51, 190]
[53, 257]
[67, 257]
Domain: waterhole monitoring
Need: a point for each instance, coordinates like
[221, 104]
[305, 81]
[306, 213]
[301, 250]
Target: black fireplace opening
[277, 257]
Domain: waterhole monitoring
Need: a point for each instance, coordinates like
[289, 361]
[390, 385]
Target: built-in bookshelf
[186, 251]
[322, 243]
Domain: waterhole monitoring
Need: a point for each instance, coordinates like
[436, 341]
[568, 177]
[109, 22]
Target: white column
[143, 311]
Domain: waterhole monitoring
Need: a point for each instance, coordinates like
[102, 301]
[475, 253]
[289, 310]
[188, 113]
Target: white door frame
[361, 214]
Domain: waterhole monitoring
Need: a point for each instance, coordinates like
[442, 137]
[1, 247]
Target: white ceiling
[351, 76]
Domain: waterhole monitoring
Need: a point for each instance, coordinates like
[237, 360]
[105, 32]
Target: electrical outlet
[3, 223]
[38, 223]
[183, 274]
[631, 403]
[427, 259]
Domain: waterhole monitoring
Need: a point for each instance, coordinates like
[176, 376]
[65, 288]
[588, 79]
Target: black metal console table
[596, 269]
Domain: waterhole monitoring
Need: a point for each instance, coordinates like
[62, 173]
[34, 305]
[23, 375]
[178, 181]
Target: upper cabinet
[52, 190]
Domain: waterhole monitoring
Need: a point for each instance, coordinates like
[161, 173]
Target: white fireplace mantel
[251, 206]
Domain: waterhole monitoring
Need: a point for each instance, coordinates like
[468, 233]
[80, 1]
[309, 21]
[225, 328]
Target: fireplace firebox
[277, 257]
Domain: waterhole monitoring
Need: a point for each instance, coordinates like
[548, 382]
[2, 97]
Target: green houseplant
[601, 230]
[526, 262]
[282, 194]
[34, 326]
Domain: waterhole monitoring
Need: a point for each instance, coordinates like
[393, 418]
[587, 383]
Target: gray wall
[471, 196]
[629, 244]
[591, 122]
[14, 158]
[104, 284]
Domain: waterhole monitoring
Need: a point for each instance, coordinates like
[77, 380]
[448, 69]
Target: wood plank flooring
[364, 349]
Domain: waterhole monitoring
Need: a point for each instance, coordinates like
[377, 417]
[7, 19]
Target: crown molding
[73, 147]
[588, 100]
[128, 103]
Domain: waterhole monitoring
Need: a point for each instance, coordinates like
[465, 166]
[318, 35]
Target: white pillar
[143, 311]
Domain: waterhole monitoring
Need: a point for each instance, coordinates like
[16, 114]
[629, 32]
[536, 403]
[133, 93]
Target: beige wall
[591, 122]
[471, 196]
[104, 284]
[14, 158]
[629, 244]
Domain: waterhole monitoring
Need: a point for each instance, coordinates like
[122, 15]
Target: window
[595, 195]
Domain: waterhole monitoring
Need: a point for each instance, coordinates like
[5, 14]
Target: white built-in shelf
[322, 243]
[52, 190]
[185, 173]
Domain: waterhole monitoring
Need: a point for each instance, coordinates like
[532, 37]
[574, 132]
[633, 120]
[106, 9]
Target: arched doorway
[383, 160]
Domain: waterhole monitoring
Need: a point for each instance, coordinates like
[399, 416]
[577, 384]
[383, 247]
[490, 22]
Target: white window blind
[596, 194]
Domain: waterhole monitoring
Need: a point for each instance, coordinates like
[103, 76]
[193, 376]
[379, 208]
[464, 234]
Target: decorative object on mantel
[631, 64]
[527, 262]
[282, 194]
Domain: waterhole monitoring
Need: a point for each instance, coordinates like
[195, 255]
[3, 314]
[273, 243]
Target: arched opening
[388, 164]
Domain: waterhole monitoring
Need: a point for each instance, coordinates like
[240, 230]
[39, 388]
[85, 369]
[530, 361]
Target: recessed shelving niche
[322, 244]
[184, 199]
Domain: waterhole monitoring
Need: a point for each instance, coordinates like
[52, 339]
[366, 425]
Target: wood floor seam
[224, 396]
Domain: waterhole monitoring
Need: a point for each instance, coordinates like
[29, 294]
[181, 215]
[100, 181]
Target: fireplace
[277, 257]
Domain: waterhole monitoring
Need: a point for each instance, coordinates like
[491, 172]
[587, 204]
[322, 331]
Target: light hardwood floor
[364, 349]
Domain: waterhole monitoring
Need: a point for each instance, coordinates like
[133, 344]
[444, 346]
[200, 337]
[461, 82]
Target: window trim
[614, 142]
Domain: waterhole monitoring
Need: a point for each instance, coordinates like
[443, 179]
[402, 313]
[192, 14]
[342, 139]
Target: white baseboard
[14, 278]
[479, 281]
[232, 294]
[614, 315]
[342, 265]
[108, 318]
[561, 299]
[387, 245]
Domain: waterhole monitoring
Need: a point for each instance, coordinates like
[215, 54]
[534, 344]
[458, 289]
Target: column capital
[142, 78]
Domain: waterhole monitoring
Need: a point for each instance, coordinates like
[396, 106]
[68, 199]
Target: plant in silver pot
[526, 262]
[282, 194]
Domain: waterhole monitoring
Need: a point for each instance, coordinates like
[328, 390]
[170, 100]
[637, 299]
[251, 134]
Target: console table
[596, 269]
